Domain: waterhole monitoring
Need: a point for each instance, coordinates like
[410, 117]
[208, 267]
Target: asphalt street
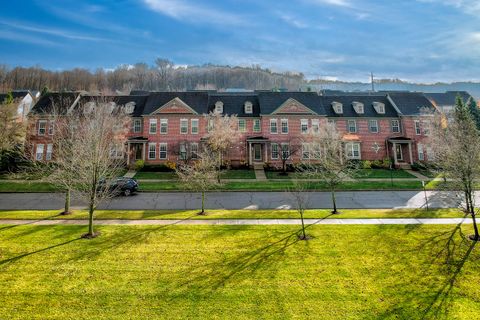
[239, 200]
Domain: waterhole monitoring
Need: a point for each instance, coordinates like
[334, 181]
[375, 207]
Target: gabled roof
[271, 101]
[176, 105]
[52, 102]
[233, 103]
[368, 109]
[139, 101]
[197, 100]
[16, 94]
[411, 103]
[447, 98]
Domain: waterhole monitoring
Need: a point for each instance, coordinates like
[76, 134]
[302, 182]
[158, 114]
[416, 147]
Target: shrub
[170, 164]
[418, 166]
[366, 164]
[157, 168]
[139, 164]
[386, 163]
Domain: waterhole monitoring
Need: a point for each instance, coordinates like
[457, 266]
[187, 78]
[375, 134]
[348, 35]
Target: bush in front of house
[157, 168]
[139, 164]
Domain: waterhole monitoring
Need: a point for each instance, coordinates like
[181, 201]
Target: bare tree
[301, 201]
[288, 150]
[200, 176]
[222, 135]
[325, 159]
[88, 140]
[456, 149]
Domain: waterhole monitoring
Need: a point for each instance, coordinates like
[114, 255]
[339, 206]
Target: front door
[257, 152]
[399, 152]
[138, 151]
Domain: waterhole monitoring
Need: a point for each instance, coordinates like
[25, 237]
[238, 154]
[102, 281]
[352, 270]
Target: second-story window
[194, 126]
[137, 125]
[242, 125]
[352, 126]
[418, 130]
[163, 126]
[184, 126]
[256, 125]
[273, 126]
[51, 125]
[373, 125]
[304, 125]
[395, 126]
[315, 125]
[153, 126]
[42, 127]
[284, 123]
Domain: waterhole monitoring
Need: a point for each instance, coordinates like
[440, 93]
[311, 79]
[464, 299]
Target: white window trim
[160, 145]
[370, 127]
[271, 151]
[151, 122]
[282, 121]
[186, 127]
[276, 126]
[305, 150]
[39, 126]
[192, 121]
[41, 147]
[398, 125]
[51, 128]
[417, 127]
[194, 153]
[287, 150]
[316, 123]
[155, 149]
[135, 121]
[420, 152]
[302, 123]
[259, 125]
[164, 121]
[48, 154]
[349, 147]
[244, 127]
[348, 126]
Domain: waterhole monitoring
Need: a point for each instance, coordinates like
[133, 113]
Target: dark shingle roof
[367, 100]
[411, 103]
[54, 101]
[17, 94]
[233, 103]
[270, 101]
[447, 98]
[197, 100]
[119, 100]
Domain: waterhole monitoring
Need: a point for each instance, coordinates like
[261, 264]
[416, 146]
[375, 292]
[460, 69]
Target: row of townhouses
[165, 126]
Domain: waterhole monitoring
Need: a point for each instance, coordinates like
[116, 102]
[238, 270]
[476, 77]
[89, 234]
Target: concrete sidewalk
[384, 221]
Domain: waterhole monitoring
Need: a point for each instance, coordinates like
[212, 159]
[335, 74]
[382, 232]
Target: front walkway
[334, 221]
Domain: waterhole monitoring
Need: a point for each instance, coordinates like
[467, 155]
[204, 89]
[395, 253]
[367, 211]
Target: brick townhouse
[170, 126]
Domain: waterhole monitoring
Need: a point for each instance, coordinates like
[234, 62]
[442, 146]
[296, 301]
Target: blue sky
[416, 40]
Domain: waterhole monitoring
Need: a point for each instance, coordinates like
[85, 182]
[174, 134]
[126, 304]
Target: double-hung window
[163, 126]
[42, 127]
[418, 129]
[153, 126]
[256, 125]
[48, 155]
[39, 152]
[304, 125]
[284, 124]
[273, 126]
[395, 126]
[183, 126]
[242, 125]
[285, 150]
[163, 150]
[305, 151]
[137, 125]
[274, 147]
[152, 151]
[426, 127]
[352, 150]
[194, 150]
[373, 125]
[50, 128]
[421, 152]
[315, 125]
[183, 151]
[352, 126]
[194, 126]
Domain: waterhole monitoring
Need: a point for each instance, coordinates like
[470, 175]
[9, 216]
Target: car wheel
[127, 192]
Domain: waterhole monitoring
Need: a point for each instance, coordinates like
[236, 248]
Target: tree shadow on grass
[29, 222]
[445, 255]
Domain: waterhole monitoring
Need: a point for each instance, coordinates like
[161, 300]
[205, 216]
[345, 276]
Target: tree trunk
[303, 226]
[91, 209]
[203, 203]
[475, 228]
[334, 202]
[467, 202]
[67, 203]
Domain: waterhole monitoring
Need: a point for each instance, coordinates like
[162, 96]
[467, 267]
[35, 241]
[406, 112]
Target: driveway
[239, 200]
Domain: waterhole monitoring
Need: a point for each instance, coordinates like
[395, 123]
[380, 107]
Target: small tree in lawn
[87, 140]
[222, 135]
[301, 201]
[456, 149]
[326, 160]
[200, 175]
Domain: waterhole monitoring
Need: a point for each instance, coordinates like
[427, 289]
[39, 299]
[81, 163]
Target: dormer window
[248, 107]
[89, 107]
[219, 107]
[379, 107]
[337, 107]
[129, 107]
[358, 107]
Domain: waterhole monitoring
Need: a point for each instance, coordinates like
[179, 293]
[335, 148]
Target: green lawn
[156, 175]
[239, 272]
[381, 174]
[233, 214]
[238, 174]
[27, 186]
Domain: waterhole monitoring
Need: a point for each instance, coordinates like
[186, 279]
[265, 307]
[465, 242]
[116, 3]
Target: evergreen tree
[475, 111]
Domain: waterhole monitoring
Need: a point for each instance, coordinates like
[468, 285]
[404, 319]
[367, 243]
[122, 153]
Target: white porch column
[395, 153]
[143, 150]
[250, 154]
[266, 152]
[410, 152]
[128, 153]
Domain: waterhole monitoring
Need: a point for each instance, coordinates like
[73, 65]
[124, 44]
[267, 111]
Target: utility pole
[371, 80]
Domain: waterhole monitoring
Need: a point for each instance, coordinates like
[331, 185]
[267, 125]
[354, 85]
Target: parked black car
[120, 186]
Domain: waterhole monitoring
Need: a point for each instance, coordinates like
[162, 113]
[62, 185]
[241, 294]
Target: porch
[136, 149]
[257, 150]
[400, 149]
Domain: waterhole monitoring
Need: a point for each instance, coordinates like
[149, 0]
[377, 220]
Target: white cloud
[186, 11]
[18, 37]
[339, 3]
[294, 22]
[467, 6]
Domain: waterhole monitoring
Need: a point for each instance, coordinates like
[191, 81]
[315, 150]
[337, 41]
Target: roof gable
[176, 105]
[292, 106]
